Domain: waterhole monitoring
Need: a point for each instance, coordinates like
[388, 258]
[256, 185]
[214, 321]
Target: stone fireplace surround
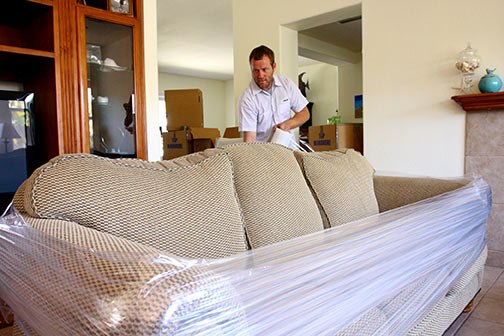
[484, 155]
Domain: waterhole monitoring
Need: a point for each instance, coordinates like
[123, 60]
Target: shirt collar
[256, 89]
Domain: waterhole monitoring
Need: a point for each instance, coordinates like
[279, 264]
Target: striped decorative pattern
[275, 199]
[109, 287]
[368, 324]
[172, 209]
[16, 331]
[393, 191]
[342, 182]
[437, 320]
[448, 308]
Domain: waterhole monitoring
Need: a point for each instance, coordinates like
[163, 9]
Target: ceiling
[345, 34]
[195, 38]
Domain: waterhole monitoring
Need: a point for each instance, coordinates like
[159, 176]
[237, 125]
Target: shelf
[108, 68]
[27, 25]
[481, 101]
[42, 2]
[26, 51]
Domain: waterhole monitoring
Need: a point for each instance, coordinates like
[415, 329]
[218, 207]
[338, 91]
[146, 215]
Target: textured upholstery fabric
[264, 176]
[275, 199]
[18, 200]
[342, 182]
[100, 285]
[179, 162]
[172, 210]
[393, 191]
[86, 237]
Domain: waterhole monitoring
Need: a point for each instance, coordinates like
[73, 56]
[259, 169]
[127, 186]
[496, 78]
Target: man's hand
[299, 119]
[284, 126]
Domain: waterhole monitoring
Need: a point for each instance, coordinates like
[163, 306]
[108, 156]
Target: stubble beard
[266, 84]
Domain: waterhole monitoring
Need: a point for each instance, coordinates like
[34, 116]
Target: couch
[247, 239]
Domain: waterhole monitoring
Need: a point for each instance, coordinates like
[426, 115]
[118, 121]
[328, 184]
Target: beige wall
[349, 85]
[214, 96]
[323, 92]
[409, 51]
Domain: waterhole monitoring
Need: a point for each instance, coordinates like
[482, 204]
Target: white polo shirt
[259, 111]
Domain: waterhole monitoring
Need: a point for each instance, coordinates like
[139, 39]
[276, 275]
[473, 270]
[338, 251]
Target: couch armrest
[393, 191]
[18, 200]
[64, 279]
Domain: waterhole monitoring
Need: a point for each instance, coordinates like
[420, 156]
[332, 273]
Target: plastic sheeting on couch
[376, 276]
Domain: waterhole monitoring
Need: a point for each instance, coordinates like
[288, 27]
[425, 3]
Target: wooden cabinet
[43, 49]
[110, 53]
[27, 62]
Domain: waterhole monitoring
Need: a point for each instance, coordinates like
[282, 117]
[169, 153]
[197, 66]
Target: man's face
[263, 71]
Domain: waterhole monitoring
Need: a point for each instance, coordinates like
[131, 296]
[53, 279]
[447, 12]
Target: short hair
[261, 51]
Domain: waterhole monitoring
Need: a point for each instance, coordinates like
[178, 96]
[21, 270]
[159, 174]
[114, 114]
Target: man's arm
[249, 136]
[297, 120]
[247, 118]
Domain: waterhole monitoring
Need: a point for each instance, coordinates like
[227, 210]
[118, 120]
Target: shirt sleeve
[247, 115]
[298, 101]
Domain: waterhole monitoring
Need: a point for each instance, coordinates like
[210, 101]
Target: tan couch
[208, 205]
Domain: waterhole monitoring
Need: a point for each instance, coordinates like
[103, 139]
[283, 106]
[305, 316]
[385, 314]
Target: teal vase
[490, 82]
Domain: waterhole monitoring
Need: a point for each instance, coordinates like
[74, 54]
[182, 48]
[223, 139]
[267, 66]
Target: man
[267, 102]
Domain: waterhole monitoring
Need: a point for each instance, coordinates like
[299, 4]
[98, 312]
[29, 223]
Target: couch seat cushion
[342, 182]
[189, 211]
[276, 201]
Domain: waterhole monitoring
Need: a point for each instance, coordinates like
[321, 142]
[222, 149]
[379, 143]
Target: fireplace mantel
[481, 101]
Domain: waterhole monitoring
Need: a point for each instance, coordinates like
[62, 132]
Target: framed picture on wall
[121, 6]
[358, 106]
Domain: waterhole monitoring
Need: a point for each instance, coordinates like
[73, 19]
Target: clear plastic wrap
[376, 276]
[6, 315]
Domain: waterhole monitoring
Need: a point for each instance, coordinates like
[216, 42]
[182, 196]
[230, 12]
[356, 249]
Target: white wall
[409, 50]
[350, 84]
[231, 117]
[410, 122]
[273, 32]
[214, 91]
[325, 52]
[154, 146]
[333, 87]
[218, 97]
[323, 93]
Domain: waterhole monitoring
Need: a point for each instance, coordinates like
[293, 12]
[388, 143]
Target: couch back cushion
[276, 202]
[342, 182]
[190, 211]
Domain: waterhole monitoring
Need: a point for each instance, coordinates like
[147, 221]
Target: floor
[485, 319]
[487, 315]
[6, 331]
